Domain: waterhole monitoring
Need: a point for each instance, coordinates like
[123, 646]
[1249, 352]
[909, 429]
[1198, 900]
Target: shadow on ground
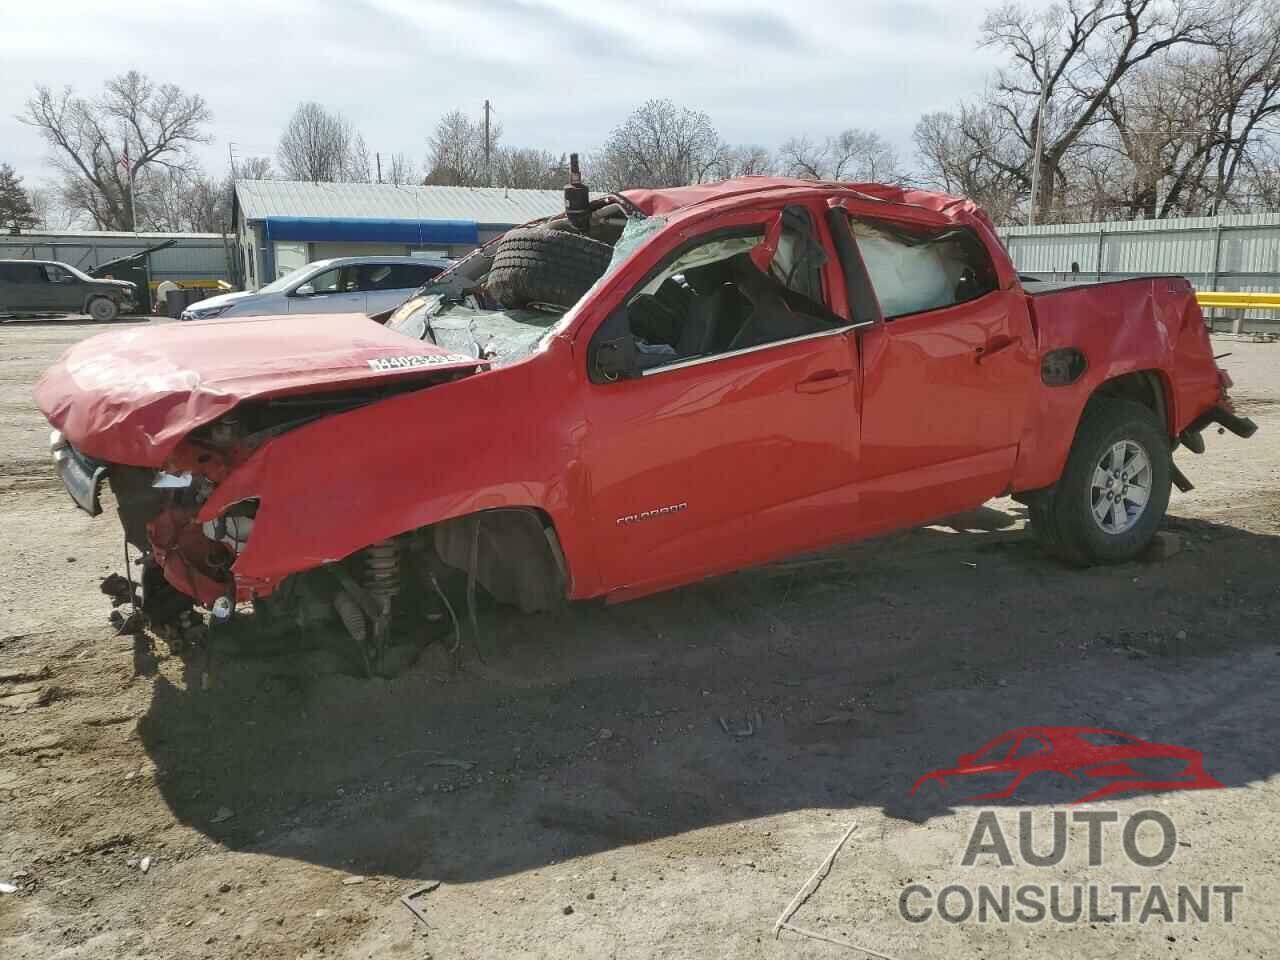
[858, 670]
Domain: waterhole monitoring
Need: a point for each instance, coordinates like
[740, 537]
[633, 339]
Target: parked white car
[342, 285]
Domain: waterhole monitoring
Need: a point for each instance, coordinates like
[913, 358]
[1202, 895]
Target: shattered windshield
[456, 312]
[501, 336]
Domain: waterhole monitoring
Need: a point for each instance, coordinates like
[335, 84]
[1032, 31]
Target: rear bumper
[1241, 426]
[81, 475]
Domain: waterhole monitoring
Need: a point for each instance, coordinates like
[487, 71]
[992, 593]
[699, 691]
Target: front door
[336, 290]
[946, 378]
[737, 436]
[66, 292]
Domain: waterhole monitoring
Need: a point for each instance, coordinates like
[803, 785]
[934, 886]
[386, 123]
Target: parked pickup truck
[655, 387]
[47, 286]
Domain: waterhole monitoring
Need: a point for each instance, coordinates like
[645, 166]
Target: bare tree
[322, 147]
[524, 168]
[401, 169]
[743, 160]
[184, 201]
[101, 145]
[970, 153]
[658, 145]
[852, 154]
[456, 151]
[1076, 56]
[255, 168]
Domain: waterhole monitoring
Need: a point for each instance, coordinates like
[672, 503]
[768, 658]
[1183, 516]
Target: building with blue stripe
[280, 225]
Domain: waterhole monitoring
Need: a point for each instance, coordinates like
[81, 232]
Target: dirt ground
[574, 793]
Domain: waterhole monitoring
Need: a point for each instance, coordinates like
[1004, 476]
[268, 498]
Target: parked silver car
[47, 286]
[341, 285]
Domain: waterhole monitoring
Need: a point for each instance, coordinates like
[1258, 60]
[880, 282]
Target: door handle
[824, 380]
[994, 346]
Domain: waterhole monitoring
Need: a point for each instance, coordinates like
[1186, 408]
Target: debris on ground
[134, 623]
[352, 881]
[446, 762]
[7, 887]
[119, 589]
[750, 724]
[410, 899]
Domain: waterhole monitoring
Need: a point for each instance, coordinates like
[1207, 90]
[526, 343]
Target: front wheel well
[513, 552]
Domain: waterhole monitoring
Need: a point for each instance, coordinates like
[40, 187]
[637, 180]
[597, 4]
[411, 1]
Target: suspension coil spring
[382, 571]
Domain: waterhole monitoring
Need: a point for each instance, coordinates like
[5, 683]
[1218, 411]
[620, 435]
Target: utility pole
[231, 155]
[488, 177]
[378, 157]
[1039, 148]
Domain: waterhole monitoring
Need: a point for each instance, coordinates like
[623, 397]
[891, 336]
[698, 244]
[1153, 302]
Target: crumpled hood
[130, 396]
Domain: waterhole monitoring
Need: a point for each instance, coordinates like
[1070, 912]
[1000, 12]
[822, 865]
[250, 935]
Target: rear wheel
[1115, 489]
[103, 309]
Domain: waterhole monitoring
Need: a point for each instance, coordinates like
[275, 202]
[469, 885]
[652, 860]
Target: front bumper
[80, 474]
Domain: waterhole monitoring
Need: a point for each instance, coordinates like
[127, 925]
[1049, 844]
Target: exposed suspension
[382, 573]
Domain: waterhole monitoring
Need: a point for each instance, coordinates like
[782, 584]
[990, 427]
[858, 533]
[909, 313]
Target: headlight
[207, 313]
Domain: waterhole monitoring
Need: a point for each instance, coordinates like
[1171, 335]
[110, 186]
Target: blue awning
[354, 230]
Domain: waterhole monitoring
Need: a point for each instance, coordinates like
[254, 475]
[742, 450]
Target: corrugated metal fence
[198, 259]
[1239, 252]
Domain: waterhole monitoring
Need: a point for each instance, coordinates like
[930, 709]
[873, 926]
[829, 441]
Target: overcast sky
[560, 74]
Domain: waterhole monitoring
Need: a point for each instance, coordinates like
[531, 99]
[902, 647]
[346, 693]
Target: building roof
[263, 199]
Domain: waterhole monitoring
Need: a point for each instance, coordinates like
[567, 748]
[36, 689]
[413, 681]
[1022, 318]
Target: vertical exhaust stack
[576, 198]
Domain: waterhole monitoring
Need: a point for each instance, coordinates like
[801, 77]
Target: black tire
[537, 265]
[103, 309]
[1064, 520]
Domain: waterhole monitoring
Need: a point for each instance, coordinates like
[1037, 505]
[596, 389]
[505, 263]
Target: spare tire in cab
[537, 265]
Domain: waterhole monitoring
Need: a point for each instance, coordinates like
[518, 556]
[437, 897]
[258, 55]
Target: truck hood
[130, 396]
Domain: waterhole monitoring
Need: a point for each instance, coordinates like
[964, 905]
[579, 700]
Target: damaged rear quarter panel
[1151, 324]
[502, 438]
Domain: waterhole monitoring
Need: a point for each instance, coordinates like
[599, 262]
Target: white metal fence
[1240, 252]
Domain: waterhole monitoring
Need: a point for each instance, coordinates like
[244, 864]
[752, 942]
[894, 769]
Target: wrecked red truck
[654, 387]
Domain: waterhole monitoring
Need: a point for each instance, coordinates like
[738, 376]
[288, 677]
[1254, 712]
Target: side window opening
[713, 299]
[914, 270]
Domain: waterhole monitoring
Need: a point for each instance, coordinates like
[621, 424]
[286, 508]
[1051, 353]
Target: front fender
[501, 438]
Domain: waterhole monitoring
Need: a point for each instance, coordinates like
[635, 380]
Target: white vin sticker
[382, 364]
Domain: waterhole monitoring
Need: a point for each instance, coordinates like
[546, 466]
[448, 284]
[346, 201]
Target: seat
[711, 321]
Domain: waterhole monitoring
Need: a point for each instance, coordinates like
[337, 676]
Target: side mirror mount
[305, 290]
[615, 359]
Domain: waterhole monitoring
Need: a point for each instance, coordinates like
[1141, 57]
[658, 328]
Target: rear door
[336, 290]
[946, 378]
[27, 289]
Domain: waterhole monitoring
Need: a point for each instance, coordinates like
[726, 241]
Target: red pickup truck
[656, 387]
